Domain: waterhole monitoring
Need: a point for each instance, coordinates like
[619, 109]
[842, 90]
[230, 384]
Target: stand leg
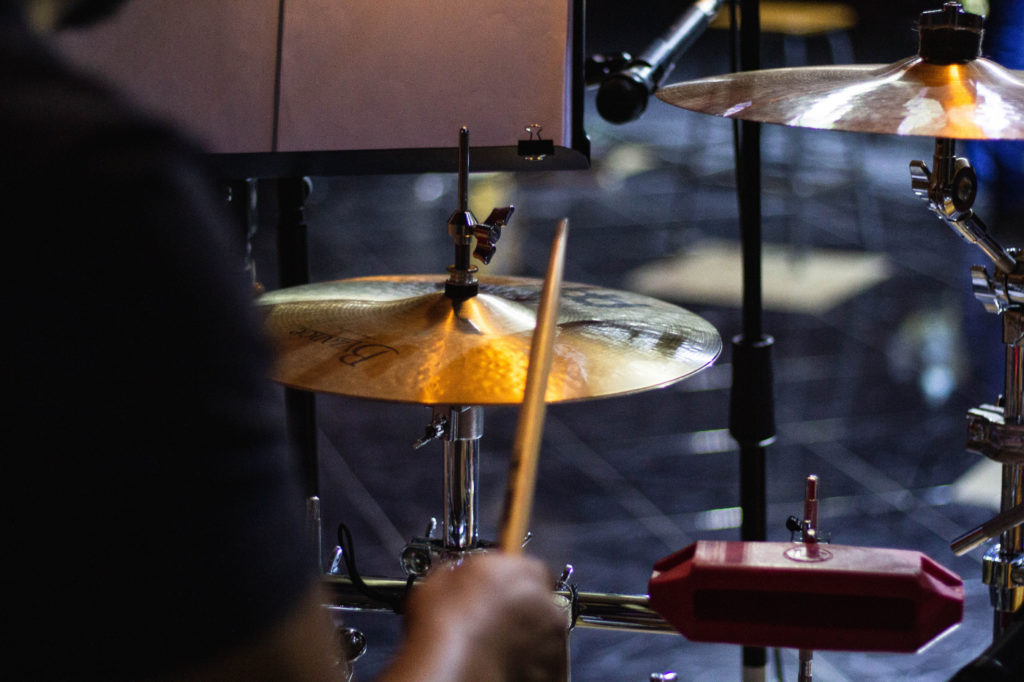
[300, 406]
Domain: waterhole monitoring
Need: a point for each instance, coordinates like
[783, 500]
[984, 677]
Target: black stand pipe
[293, 267]
[751, 408]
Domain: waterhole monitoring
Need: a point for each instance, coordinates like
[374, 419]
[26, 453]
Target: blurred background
[880, 350]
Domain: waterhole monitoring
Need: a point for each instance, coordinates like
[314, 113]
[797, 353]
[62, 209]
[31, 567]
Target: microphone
[623, 95]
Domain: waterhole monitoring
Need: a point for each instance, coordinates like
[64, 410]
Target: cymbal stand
[996, 431]
[460, 427]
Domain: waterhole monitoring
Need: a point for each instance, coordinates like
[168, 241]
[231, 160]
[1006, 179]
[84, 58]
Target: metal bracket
[950, 191]
[988, 434]
[998, 571]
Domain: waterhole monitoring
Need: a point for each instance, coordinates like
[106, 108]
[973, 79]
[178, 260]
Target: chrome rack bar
[630, 612]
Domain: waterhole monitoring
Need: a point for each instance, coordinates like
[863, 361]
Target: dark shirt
[151, 516]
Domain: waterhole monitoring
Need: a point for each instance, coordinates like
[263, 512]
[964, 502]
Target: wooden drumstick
[522, 476]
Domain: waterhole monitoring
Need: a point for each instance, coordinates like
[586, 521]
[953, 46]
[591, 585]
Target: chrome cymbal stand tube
[460, 429]
[996, 431]
[461, 461]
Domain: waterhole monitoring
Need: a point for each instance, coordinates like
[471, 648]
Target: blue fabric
[1000, 164]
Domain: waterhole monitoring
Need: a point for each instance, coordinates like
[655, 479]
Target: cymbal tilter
[950, 191]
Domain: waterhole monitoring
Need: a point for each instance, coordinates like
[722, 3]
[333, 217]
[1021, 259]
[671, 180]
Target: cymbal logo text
[354, 351]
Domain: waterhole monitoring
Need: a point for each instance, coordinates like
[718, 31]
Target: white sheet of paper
[403, 74]
[209, 65]
[355, 74]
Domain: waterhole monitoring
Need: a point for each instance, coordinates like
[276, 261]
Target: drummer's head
[49, 15]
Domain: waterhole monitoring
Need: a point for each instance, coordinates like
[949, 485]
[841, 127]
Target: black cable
[348, 555]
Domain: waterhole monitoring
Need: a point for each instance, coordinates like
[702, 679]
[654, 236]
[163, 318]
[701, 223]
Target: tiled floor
[870, 394]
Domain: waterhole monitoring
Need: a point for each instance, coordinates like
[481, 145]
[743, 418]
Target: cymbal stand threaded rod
[462, 250]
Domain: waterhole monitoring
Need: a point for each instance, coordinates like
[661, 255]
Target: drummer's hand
[493, 618]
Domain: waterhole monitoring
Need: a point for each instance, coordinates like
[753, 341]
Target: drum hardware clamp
[950, 192]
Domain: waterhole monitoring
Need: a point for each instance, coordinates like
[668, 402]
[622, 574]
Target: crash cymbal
[402, 339]
[974, 100]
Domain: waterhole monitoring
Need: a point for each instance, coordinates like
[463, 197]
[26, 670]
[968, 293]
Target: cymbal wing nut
[489, 232]
[486, 238]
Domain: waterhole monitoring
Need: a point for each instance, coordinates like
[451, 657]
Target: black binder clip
[535, 149]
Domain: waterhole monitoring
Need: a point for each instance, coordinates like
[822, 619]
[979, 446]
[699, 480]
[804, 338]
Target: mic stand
[751, 407]
[623, 94]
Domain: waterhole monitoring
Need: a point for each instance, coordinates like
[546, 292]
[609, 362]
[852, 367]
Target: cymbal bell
[977, 100]
[402, 339]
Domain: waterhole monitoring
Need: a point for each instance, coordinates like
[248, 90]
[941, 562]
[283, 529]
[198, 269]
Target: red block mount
[789, 594]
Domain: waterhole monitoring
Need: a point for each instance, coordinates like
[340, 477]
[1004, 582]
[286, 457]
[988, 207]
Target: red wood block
[786, 594]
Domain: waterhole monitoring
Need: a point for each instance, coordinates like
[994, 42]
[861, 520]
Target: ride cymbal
[974, 100]
[401, 339]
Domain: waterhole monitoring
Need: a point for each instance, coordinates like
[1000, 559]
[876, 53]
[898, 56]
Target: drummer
[154, 529]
